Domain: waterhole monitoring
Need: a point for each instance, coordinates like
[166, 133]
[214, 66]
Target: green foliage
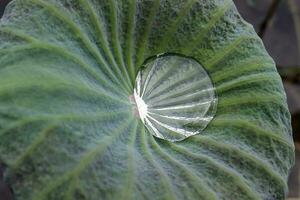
[67, 131]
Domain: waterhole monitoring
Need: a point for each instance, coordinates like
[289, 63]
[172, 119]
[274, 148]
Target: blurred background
[277, 22]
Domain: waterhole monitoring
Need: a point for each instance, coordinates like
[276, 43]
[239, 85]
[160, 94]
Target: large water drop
[174, 96]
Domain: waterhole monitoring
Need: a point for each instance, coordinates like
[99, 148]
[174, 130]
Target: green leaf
[67, 127]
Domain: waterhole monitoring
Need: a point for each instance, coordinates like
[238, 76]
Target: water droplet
[174, 96]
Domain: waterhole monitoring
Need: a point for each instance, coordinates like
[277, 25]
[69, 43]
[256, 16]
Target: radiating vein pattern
[175, 97]
[212, 121]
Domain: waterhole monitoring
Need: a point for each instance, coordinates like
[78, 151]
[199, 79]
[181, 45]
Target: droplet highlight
[174, 96]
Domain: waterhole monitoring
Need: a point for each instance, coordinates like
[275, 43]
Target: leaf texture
[67, 129]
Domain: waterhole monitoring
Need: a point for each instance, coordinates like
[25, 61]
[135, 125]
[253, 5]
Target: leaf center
[174, 97]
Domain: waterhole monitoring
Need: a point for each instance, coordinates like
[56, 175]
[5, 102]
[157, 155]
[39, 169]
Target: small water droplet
[174, 96]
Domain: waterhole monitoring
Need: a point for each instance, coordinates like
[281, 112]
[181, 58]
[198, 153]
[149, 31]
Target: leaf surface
[67, 127]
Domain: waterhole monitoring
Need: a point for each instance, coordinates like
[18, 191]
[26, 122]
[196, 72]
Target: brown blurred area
[3, 3]
[277, 22]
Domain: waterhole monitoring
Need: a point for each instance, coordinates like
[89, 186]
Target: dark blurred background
[277, 22]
